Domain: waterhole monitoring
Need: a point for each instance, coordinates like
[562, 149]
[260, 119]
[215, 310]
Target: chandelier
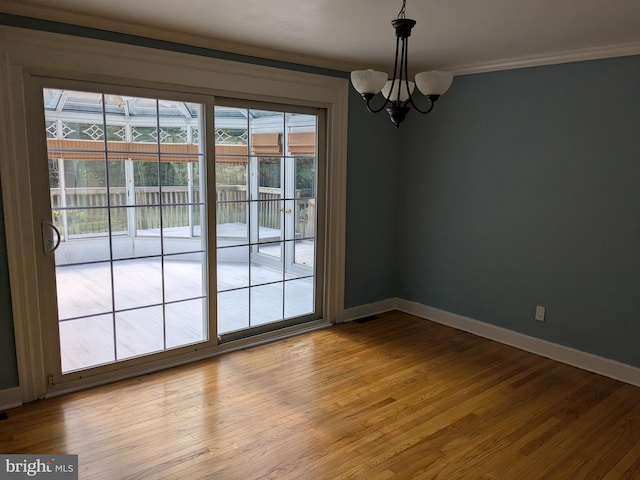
[398, 93]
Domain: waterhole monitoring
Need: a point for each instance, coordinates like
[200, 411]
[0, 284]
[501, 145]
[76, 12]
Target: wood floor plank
[397, 397]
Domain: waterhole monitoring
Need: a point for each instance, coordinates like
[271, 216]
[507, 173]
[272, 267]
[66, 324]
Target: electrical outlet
[540, 312]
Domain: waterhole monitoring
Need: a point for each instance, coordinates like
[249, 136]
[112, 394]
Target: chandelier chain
[402, 12]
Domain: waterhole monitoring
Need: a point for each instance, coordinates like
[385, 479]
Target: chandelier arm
[411, 101]
[387, 101]
[404, 69]
[395, 71]
[432, 104]
[404, 61]
[375, 110]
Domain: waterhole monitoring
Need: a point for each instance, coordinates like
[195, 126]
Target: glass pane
[116, 113]
[83, 290]
[266, 304]
[270, 176]
[197, 217]
[185, 322]
[305, 177]
[85, 182]
[87, 222]
[51, 98]
[137, 283]
[270, 217]
[233, 310]
[231, 125]
[175, 220]
[263, 272]
[119, 221]
[231, 176]
[145, 134]
[266, 130]
[232, 227]
[176, 244]
[72, 101]
[147, 221]
[54, 180]
[174, 175]
[139, 332]
[85, 249]
[231, 196]
[86, 342]
[146, 178]
[142, 242]
[302, 134]
[304, 218]
[117, 172]
[304, 253]
[271, 249]
[298, 297]
[183, 277]
[233, 268]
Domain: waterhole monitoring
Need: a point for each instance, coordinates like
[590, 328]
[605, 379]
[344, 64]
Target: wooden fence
[83, 216]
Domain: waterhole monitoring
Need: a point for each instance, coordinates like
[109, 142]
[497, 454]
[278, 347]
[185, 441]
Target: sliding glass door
[266, 209]
[175, 223]
[128, 199]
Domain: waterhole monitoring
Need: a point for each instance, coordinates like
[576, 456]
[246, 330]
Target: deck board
[86, 290]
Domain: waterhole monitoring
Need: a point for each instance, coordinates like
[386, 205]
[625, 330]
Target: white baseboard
[10, 398]
[570, 356]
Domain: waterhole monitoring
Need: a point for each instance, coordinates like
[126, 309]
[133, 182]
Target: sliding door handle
[50, 238]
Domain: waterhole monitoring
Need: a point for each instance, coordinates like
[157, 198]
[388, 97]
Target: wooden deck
[395, 398]
[139, 329]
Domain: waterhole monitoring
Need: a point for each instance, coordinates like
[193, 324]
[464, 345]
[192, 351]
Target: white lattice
[94, 131]
[120, 133]
[173, 135]
[135, 134]
[52, 130]
[223, 136]
[66, 130]
[183, 134]
[195, 135]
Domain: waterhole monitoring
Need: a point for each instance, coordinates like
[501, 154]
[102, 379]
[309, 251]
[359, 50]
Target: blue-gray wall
[372, 205]
[523, 189]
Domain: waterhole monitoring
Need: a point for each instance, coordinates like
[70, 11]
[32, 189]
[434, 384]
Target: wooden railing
[231, 207]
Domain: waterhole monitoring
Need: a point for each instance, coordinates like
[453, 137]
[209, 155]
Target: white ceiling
[459, 35]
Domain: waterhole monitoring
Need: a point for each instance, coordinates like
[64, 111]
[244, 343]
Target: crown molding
[567, 56]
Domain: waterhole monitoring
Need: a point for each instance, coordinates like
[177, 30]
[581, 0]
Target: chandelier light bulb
[399, 92]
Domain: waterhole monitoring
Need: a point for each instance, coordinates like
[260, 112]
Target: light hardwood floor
[396, 397]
